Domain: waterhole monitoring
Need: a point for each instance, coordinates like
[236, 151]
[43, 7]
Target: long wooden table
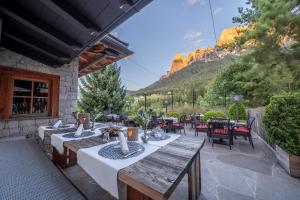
[157, 175]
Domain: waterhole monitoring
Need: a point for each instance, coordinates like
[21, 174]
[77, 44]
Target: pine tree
[101, 88]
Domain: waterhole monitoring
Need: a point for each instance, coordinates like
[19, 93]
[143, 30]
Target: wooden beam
[56, 37]
[75, 13]
[70, 18]
[59, 59]
[98, 59]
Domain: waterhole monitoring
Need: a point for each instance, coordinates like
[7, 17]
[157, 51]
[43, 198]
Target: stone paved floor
[242, 173]
[239, 174]
[26, 173]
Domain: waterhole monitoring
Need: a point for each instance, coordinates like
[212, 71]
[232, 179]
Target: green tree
[270, 66]
[101, 88]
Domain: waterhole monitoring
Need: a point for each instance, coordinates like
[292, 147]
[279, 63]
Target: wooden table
[157, 175]
[69, 158]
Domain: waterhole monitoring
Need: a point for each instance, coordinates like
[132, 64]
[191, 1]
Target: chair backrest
[218, 123]
[250, 122]
[169, 121]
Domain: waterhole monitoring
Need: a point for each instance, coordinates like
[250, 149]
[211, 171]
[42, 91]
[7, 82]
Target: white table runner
[42, 129]
[105, 171]
[57, 140]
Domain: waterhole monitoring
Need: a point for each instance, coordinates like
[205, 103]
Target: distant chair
[244, 130]
[200, 126]
[179, 125]
[219, 128]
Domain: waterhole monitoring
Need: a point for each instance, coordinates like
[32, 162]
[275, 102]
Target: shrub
[282, 123]
[173, 114]
[213, 114]
[241, 109]
[138, 121]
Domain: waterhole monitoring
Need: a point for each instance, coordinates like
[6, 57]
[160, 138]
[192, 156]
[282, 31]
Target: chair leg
[251, 142]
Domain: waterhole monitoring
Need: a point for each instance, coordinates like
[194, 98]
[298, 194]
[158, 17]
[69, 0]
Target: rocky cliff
[226, 38]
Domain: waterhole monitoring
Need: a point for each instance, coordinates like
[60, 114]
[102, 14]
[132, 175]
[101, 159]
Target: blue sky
[166, 27]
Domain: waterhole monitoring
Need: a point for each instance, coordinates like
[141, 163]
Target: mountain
[226, 38]
[198, 74]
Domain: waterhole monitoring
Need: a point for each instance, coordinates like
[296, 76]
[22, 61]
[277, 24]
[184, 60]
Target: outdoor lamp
[236, 99]
[166, 103]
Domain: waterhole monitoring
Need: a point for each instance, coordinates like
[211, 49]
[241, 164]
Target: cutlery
[134, 152]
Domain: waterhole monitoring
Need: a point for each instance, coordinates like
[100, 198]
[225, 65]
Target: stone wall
[258, 126]
[67, 94]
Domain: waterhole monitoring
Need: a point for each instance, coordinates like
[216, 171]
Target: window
[28, 94]
[30, 97]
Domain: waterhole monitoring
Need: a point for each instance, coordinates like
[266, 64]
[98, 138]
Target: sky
[166, 27]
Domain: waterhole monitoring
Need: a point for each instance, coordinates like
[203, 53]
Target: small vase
[145, 138]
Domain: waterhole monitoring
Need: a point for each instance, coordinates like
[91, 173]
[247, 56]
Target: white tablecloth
[42, 129]
[57, 140]
[105, 171]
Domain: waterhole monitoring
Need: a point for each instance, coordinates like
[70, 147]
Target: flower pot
[290, 163]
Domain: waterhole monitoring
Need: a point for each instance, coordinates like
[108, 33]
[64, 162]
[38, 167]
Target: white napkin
[79, 131]
[56, 125]
[123, 143]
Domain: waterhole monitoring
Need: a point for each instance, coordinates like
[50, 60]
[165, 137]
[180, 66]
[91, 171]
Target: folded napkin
[57, 124]
[79, 130]
[123, 143]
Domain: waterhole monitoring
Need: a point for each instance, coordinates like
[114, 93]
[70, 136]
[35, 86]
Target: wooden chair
[244, 130]
[219, 128]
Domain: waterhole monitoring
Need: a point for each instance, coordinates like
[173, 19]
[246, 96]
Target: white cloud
[193, 2]
[217, 11]
[192, 35]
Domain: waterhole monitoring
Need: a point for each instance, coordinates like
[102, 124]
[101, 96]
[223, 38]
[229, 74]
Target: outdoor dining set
[111, 154]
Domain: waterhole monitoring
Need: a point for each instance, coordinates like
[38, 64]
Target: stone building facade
[67, 94]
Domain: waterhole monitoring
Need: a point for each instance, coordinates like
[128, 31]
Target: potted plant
[282, 124]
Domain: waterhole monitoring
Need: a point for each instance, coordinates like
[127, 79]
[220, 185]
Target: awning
[110, 49]
[54, 32]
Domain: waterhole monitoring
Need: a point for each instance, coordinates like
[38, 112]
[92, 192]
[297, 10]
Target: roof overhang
[110, 49]
[54, 32]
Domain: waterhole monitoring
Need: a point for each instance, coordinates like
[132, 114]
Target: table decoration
[80, 127]
[133, 134]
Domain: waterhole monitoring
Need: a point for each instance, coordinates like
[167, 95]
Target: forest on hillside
[268, 66]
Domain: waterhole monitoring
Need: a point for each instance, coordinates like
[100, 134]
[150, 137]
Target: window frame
[8, 75]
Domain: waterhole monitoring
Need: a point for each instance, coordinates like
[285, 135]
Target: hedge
[282, 122]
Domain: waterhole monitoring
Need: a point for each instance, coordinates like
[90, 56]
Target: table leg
[198, 174]
[192, 182]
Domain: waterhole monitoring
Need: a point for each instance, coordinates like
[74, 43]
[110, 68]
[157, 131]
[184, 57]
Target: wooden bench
[157, 175]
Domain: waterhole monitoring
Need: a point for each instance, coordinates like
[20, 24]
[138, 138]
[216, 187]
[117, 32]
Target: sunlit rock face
[229, 35]
[226, 38]
[191, 57]
[179, 62]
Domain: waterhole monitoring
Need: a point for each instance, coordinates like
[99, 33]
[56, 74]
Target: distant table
[157, 175]
[44, 136]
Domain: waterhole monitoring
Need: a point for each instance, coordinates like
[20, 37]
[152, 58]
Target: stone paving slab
[26, 173]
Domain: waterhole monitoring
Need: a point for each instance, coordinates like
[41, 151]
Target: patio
[240, 173]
